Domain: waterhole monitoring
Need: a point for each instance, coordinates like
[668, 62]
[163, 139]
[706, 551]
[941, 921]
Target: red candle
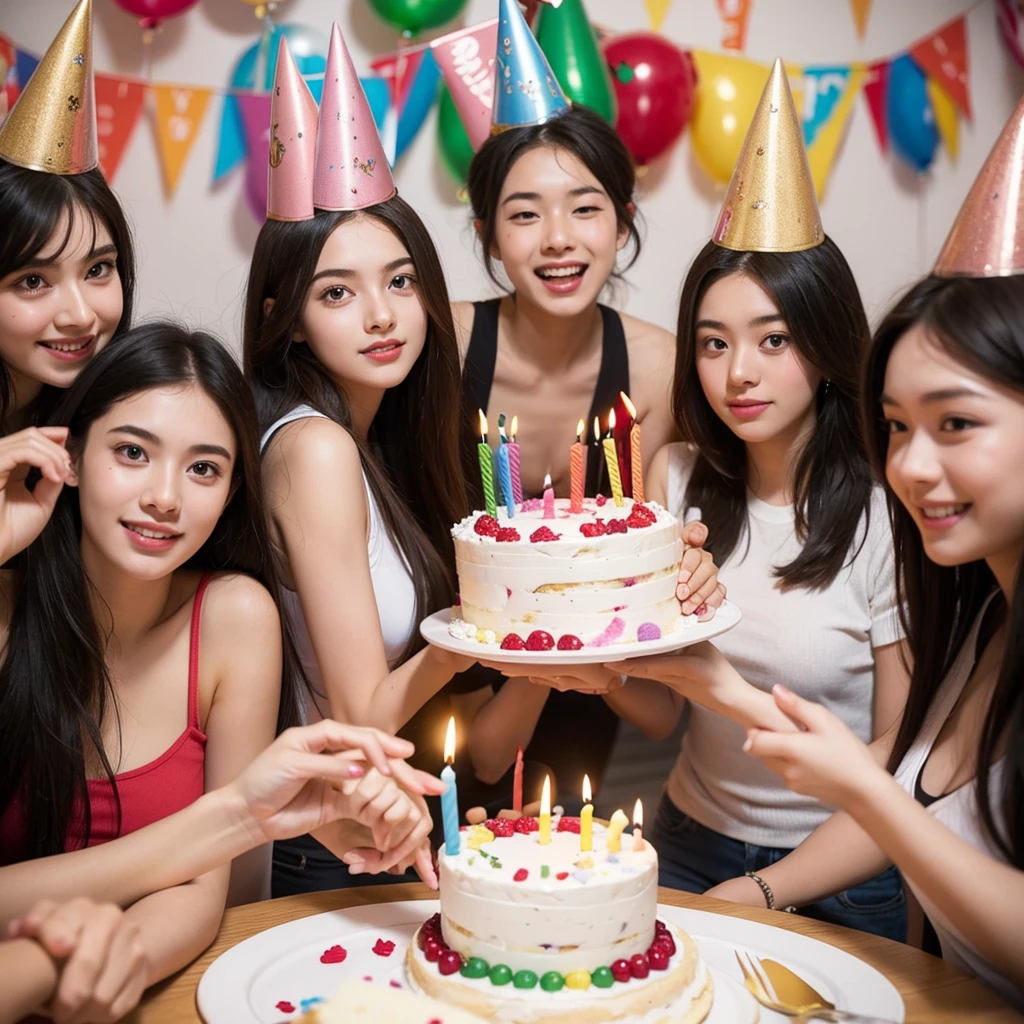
[577, 470]
[620, 432]
[517, 783]
[549, 498]
[636, 459]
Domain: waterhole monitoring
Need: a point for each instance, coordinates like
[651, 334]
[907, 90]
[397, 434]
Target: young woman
[168, 677]
[944, 398]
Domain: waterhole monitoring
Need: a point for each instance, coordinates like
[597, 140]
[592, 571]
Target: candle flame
[545, 796]
[581, 429]
[630, 407]
[547, 481]
[597, 428]
[611, 420]
[587, 796]
[449, 742]
[483, 423]
[513, 428]
[638, 814]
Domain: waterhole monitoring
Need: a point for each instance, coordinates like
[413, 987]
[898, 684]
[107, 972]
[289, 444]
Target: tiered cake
[603, 576]
[546, 934]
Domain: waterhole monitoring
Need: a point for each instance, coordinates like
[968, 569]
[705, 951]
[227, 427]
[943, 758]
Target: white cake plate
[435, 631]
[256, 981]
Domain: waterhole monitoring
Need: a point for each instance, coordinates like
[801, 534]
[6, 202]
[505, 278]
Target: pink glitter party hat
[351, 169]
[293, 117]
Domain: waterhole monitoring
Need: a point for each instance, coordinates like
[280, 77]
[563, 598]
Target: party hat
[466, 60]
[52, 126]
[351, 169]
[987, 238]
[770, 205]
[293, 117]
[525, 91]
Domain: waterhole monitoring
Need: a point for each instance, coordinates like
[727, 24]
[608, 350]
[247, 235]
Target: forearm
[737, 700]
[651, 707]
[30, 978]
[505, 723]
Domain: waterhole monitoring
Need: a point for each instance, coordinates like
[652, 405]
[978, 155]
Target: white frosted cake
[604, 576]
[546, 934]
[358, 1002]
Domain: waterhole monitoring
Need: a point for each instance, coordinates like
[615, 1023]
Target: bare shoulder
[462, 315]
[239, 605]
[648, 344]
[314, 449]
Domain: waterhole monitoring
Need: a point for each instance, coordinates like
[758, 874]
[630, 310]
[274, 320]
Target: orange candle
[636, 459]
[577, 470]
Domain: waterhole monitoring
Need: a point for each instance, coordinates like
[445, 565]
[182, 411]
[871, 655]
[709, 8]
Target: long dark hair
[815, 292]
[980, 324]
[578, 131]
[32, 204]
[54, 684]
[411, 457]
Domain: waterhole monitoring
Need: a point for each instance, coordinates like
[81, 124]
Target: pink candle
[517, 783]
[513, 461]
[549, 498]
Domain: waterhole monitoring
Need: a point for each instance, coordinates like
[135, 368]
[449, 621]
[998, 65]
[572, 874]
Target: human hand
[699, 672]
[478, 815]
[582, 678]
[103, 968]
[698, 589]
[398, 820]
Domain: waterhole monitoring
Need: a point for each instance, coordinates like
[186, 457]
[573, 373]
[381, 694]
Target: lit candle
[586, 819]
[544, 835]
[549, 498]
[513, 461]
[505, 470]
[486, 467]
[636, 459]
[616, 824]
[517, 783]
[449, 798]
[613, 461]
[577, 469]
[638, 827]
[598, 460]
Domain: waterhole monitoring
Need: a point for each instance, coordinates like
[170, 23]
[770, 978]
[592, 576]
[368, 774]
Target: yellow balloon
[728, 89]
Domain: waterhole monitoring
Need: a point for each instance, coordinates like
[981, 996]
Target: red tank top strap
[193, 653]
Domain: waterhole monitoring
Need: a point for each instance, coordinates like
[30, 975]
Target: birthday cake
[556, 579]
[534, 933]
[358, 1002]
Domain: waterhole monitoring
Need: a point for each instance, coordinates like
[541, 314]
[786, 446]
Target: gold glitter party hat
[52, 126]
[770, 205]
[987, 237]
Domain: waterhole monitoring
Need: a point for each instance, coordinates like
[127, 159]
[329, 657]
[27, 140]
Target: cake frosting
[532, 933]
[603, 576]
[359, 1002]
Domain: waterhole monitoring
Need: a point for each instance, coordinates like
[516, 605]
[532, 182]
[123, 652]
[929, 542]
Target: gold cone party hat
[770, 205]
[987, 237]
[52, 126]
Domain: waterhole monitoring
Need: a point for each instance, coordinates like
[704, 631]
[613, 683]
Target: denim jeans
[694, 858]
[304, 865]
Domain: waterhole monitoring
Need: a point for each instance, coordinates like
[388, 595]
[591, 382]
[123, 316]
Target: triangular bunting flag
[656, 11]
[412, 77]
[179, 114]
[876, 88]
[734, 14]
[861, 11]
[399, 71]
[829, 94]
[8, 75]
[25, 64]
[946, 118]
[943, 56]
[118, 106]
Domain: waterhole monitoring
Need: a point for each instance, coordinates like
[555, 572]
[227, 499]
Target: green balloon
[452, 140]
[570, 45]
[412, 16]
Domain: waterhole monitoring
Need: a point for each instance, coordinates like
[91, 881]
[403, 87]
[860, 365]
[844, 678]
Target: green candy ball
[602, 977]
[500, 974]
[553, 981]
[525, 979]
[475, 967]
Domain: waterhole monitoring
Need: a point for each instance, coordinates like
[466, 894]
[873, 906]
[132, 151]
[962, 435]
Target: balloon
[412, 16]
[570, 46]
[151, 12]
[1011, 25]
[452, 140]
[727, 95]
[909, 111]
[654, 85]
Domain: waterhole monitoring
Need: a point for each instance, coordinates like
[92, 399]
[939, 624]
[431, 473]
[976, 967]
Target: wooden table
[932, 990]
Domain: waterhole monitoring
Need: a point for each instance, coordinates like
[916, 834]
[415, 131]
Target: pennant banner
[943, 56]
[876, 88]
[118, 106]
[734, 14]
[179, 113]
[412, 75]
[829, 95]
[946, 119]
[656, 11]
[861, 12]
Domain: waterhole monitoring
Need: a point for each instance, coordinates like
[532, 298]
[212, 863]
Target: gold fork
[778, 988]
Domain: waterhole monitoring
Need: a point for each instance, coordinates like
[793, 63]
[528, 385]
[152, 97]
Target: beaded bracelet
[769, 896]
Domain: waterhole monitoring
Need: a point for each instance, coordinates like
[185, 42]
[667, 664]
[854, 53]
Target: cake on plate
[534, 933]
[537, 581]
[358, 1002]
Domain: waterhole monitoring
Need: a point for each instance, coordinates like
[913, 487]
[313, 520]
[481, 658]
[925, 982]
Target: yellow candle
[615, 826]
[587, 819]
[638, 827]
[544, 836]
[612, 459]
[636, 459]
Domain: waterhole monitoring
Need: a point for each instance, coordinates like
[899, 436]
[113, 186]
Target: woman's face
[364, 319]
[58, 311]
[154, 476]
[753, 375]
[556, 232]
[955, 457]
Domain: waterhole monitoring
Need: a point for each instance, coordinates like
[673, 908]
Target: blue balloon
[912, 127]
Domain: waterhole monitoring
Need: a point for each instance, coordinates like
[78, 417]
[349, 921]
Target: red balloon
[151, 12]
[655, 83]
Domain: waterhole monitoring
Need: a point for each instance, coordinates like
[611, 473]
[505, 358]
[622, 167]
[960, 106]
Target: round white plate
[258, 980]
[435, 631]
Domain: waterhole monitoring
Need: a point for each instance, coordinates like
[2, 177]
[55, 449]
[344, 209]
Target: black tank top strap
[482, 354]
[612, 378]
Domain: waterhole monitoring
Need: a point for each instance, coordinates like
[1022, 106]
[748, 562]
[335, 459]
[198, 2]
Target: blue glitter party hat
[525, 89]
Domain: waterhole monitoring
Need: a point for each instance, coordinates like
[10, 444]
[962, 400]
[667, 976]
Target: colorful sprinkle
[552, 981]
[334, 955]
[521, 875]
[395, 984]
[524, 979]
[545, 871]
[500, 974]
[562, 876]
[581, 876]
[475, 967]
[648, 631]
[578, 979]
[383, 947]
[307, 1004]
[284, 1006]
[602, 977]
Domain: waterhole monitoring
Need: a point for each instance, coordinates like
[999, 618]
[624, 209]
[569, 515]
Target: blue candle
[449, 798]
[505, 476]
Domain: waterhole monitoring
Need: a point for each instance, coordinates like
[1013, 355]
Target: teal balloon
[452, 140]
[570, 45]
[412, 16]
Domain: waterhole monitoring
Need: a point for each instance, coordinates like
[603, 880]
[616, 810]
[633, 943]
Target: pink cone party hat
[293, 117]
[987, 237]
[351, 169]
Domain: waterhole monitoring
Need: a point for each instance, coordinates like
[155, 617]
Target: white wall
[194, 249]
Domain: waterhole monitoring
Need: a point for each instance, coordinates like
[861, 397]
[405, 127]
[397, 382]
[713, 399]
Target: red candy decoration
[595, 529]
[450, 962]
[432, 950]
[543, 533]
[621, 970]
[639, 965]
[521, 875]
[334, 955]
[486, 526]
[617, 526]
[506, 535]
[383, 947]
[503, 828]
[284, 1006]
[657, 957]
[570, 643]
[525, 825]
[538, 640]
[569, 825]
[601, 500]
[562, 875]
[636, 522]
[513, 642]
